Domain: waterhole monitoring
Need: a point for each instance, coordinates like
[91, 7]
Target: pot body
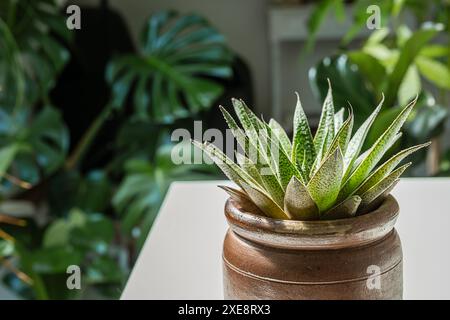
[360, 261]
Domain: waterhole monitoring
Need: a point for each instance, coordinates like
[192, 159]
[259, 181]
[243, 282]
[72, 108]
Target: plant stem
[83, 145]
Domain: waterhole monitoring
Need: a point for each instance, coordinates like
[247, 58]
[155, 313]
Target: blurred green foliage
[97, 218]
[396, 61]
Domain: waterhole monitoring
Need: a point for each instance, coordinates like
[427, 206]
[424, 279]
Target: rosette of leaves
[325, 176]
[178, 69]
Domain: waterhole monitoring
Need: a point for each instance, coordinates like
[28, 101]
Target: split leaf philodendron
[326, 176]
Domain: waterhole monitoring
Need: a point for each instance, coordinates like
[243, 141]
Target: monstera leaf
[142, 191]
[176, 73]
[32, 50]
[349, 85]
[36, 145]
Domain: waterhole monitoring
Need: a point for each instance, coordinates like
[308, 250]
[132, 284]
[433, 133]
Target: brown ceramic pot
[355, 258]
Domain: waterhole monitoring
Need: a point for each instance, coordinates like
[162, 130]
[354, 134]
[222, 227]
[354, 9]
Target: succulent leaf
[303, 150]
[281, 135]
[243, 199]
[298, 202]
[356, 142]
[387, 167]
[325, 131]
[345, 209]
[378, 189]
[325, 184]
[325, 177]
[229, 168]
[338, 120]
[264, 202]
[376, 152]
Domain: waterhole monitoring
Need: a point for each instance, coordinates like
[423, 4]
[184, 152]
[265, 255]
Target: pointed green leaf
[365, 208]
[357, 141]
[237, 132]
[345, 209]
[298, 202]
[383, 185]
[376, 152]
[284, 167]
[325, 131]
[325, 183]
[342, 137]
[229, 168]
[242, 199]
[303, 151]
[338, 120]
[386, 168]
[282, 136]
[264, 202]
[248, 166]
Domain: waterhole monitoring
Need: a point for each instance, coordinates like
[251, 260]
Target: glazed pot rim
[321, 234]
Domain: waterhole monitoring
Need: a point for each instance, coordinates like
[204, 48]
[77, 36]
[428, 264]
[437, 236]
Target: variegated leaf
[357, 141]
[243, 200]
[338, 120]
[342, 137]
[387, 167]
[282, 136]
[248, 166]
[303, 151]
[264, 202]
[368, 207]
[228, 167]
[298, 202]
[345, 209]
[325, 183]
[325, 132]
[284, 167]
[376, 152]
[378, 189]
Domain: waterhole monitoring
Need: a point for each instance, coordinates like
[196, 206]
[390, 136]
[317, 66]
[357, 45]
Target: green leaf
[178, 71]
[338, 120]
[434, 51]
[376, 153]
[242, 199]
[229, 168]
[410, 86]
[370, 67]
[298, 202]
[303, 151]
[6, 248]
[435, 71]
[264, 202]
[349, 85]
[378, 189]
[316, 18]
[387, 167]
[6, 157]
[407, 56]
[342, 137]
[58, 233]
[326, 123]
[325, 183]
[54, 260]
[357, 141]
[345, 209]
[281, 135]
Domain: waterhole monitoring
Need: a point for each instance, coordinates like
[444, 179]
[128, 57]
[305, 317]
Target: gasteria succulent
[322, 177]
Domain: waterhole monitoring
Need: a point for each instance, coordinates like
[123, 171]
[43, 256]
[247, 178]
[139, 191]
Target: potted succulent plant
[313, 218]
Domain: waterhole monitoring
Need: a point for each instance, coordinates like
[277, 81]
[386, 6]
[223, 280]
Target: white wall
[243, 22]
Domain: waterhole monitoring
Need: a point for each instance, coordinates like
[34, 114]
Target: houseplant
[313, 216]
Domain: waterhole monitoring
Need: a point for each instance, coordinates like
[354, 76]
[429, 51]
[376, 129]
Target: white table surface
[181, 258]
